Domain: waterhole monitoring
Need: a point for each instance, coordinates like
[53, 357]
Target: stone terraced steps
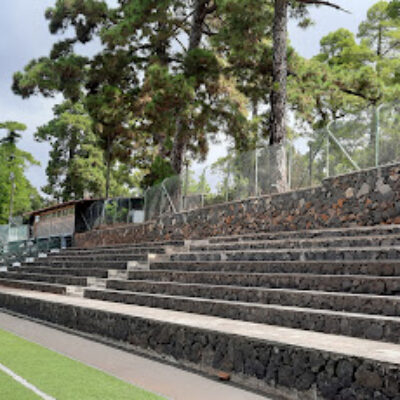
[58, 279]
[85, 272]
[76, 264]
[33, 285]
[102, 257]
[334, 254]
[311, 234]
[83, 267]
[343, 282]
[384, 268]
[385, 285]
[354, 303]
[116, 251]
[228, 292]
[155, 244]
[283, 363]
[372, 327]
[349, 241]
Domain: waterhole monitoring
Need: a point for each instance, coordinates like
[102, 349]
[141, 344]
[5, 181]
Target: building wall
[60, 222]
[368, 197]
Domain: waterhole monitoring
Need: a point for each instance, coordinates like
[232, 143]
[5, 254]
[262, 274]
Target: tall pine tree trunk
[108, 166]
[200, 11]
[181, 139]
[278, 168]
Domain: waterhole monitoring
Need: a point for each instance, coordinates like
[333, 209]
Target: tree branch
[208, 30]
[371, 100]
[324, 3]
[184, 48]
[211, 9]
[391, 47]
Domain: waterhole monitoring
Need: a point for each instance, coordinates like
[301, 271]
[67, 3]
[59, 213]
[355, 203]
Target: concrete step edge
[365, 229]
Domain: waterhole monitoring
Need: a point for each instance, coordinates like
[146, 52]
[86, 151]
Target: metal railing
[16, 252]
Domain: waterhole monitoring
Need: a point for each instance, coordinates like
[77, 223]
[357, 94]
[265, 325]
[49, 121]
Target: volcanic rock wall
[368, 197]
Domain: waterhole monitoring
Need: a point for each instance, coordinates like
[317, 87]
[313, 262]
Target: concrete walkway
[168, 381]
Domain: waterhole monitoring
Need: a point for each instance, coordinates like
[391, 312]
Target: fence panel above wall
[97, 213]
[357, 141]
[13, 233]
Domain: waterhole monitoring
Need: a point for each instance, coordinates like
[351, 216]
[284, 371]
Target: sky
[25, 36]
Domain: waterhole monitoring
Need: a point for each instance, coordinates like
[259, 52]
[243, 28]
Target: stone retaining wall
[289, 371]
[368, 197]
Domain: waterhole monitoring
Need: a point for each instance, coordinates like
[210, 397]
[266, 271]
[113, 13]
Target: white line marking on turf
[23, 382]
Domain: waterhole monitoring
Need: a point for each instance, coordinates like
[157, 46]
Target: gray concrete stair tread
[45, 278]
[31, 285]
[273, 306]
[304, 254]
[114, 257]
[284, 262]
[297, 241]
[333, 283]
[144, 244]
[376, 267]
[46, 262]
[75, 291]
[383, 229]
[134, 250]
[344, 302]
[116, 247]
[286, 250]
[36, 274]
[356, 324]
[313, 276]
[35, 282]
[61, 271]
[368, 303]
[257, 274]
[334, 344]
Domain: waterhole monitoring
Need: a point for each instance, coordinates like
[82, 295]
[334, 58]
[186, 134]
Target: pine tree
[155, 83]
[362, 76]
[76, 160]
[279, 84]
[76, 163]
[381, 33]
[17, 195]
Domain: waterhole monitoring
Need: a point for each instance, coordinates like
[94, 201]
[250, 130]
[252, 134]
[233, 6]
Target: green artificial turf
[58, 376]
[12, 390]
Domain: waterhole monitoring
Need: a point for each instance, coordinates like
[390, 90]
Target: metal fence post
[343, 150]
[310, 169]
[290, 165]
[185, 201]
[145, 204]
[327, 156]
[204, 187]
[228, 176]
[256, 172]
[377, 134]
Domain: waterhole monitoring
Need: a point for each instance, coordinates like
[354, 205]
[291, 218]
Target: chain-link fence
[16, 245]
[9, 233]
[95, 214]
[357, 141]
[53, 228]
[16, 252]
[166, 197]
